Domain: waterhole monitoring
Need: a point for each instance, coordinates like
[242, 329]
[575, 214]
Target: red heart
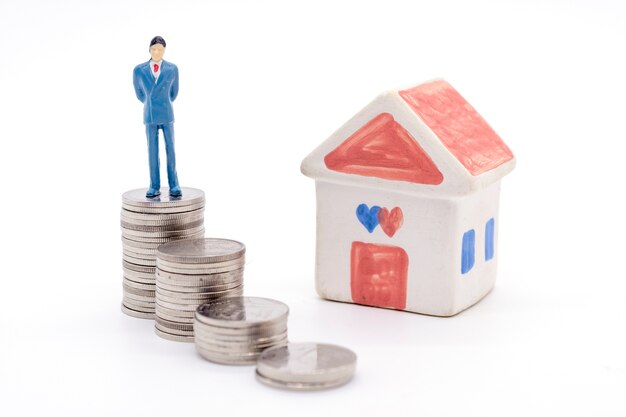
[390, 221]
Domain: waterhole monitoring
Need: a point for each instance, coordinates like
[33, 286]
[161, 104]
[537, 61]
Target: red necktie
[156, 67]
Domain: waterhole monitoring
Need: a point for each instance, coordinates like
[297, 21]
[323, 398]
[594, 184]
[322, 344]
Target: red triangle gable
[384, 149]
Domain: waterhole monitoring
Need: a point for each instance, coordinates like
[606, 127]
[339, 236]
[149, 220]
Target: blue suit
[157, 98]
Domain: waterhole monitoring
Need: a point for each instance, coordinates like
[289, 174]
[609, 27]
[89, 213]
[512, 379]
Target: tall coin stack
[190, 273]
[234, 331]
[146, 224]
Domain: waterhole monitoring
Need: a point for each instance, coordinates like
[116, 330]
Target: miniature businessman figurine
[156, 86]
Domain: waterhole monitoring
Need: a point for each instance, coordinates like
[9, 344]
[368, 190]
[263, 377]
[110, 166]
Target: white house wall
[475, 210]
[428, 234]
[431, 234]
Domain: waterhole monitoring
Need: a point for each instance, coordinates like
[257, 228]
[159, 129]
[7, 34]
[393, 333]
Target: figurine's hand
[174, 87]
[141, 96]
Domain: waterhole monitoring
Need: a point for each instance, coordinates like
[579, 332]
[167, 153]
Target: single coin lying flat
[306, 366]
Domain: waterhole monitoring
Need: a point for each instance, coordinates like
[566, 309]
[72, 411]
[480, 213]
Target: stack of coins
[306, 366]
[190, 273]
[234, 331]
[146, 224]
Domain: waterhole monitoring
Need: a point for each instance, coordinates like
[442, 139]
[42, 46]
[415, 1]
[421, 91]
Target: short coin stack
[146, 224]
[190, 273]
[306, 366]
[234, 331]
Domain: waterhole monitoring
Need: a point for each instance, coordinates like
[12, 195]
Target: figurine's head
[157, 48]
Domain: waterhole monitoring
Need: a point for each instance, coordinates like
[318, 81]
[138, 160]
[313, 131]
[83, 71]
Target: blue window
[489, 238]
[467, 251]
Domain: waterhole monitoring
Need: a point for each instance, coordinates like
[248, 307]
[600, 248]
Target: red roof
[458, 125]
[384, 149]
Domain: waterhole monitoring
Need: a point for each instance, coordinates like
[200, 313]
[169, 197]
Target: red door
[378, 275]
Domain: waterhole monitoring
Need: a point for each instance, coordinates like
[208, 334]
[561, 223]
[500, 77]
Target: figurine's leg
[152, 133]
[172, 177]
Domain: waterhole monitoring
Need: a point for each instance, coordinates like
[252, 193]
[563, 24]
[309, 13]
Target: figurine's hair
[157, 39]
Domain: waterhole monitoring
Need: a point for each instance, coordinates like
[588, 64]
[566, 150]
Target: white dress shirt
[155, 74]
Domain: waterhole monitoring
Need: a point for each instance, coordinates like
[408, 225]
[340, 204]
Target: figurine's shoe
[152, 192]
[176, 192]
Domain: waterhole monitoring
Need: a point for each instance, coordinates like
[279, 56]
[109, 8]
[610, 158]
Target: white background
[262, 84]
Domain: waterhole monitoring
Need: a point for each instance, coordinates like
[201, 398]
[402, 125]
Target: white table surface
[262, 84]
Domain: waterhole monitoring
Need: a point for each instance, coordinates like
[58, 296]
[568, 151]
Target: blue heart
[368, 216]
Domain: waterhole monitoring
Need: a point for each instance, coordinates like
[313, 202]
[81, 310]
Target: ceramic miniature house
[407, 203]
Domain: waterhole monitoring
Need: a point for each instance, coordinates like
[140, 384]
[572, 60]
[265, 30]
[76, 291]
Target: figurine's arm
[141, 96]
[174, 88]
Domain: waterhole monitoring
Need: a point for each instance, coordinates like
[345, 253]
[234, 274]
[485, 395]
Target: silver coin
[302, 386]
[176, 306]
[307, 363]
[242, 312]
[175, 319]
[160, 240]
[139, 277]
[173, 337]
[170, 330]
[180, 227]
[191, 296]
[143, 309]
[152, 246]
[144, 270]
[127, 243]
[153, 219]
[139, 299]
[187, 301]
[163, 210]
[138, 251]
[237, 335]
[226, 359]
[137, 291]
[241, 337]
[164, 228]
[198, 279]
[192, 305]
[156, 221]
[138, 198]
[236, 347]
[186, 289]
[138, 314]
[205, 288]
[203, 271]
[128, 233]
[138, 285]
[256, 331]
[161, 309]
[233, 351]
[136, 255]
[139, 309]
[173, 324]
[131, 215]
[162, 236]
[142, 304]
[168, 288]
[193, 267]
[139, 261]
[208, 250]
[174, 296]
[145, 252]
